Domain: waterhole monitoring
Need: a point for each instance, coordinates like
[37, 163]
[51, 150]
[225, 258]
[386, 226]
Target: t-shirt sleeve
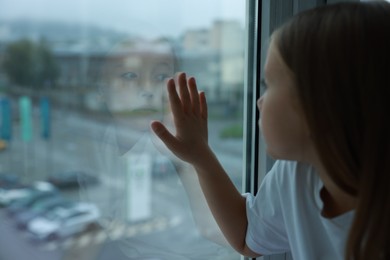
[266, 232]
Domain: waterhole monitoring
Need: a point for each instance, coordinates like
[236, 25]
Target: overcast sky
[169, 17]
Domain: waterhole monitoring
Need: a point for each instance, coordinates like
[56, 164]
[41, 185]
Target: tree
[30, 64]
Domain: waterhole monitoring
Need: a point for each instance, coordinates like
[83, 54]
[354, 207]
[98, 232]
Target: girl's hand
[189, 109]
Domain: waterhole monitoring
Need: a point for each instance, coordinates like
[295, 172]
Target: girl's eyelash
[161, 77]
[129, 75]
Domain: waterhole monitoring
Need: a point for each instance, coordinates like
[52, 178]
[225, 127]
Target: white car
[8, 195]
[64, 221]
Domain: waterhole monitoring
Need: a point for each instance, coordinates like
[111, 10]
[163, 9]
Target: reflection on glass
[134, 74]
[131, 92]
[102, 88]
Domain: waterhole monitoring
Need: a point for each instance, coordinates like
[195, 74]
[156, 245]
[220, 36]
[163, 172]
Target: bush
[233, 131]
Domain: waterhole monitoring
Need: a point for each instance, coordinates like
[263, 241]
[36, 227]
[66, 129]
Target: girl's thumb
[162, 132]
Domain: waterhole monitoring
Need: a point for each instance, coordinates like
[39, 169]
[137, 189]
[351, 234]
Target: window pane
[82, 176]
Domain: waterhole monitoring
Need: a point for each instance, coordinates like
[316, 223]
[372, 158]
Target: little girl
[324, 117]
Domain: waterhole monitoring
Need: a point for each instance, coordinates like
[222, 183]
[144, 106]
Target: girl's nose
[146, 89]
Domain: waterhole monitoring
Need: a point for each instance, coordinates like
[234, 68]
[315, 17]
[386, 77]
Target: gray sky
[170, 17]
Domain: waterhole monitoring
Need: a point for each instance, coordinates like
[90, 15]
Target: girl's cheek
[260, 126]
[260, 103]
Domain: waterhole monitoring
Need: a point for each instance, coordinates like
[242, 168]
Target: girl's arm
[201, 213]
[190, 143]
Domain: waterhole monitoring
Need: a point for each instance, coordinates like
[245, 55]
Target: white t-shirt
[285, 215]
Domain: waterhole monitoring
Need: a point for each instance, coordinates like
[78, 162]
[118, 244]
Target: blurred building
[216, 56]
[129, 74]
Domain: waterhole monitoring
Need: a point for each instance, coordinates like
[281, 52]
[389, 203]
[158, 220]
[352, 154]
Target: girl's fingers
[174, 100]
[203, 105]
[194, 94]
[162, 132]
[183, 90]
[188, 99]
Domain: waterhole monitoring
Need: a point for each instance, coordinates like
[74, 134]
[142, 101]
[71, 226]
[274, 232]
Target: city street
[168, 233]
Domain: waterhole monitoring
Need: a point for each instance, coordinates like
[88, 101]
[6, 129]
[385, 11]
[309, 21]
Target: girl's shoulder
[292, 171]
[295, 180]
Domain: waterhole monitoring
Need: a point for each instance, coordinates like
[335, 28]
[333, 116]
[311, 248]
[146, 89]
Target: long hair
[340, 55]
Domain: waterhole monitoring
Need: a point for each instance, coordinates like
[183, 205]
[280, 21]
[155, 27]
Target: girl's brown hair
[340, 55]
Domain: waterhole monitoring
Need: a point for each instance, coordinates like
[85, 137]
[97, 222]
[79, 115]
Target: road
[169, 232]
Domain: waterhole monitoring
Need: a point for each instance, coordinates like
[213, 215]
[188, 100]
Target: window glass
[80, 82]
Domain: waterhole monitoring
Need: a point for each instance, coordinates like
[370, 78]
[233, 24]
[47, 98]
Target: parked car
[36, 196]
[72, 179]
[7, 195]
[11, 194]
[64, 221]
[41, 208]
